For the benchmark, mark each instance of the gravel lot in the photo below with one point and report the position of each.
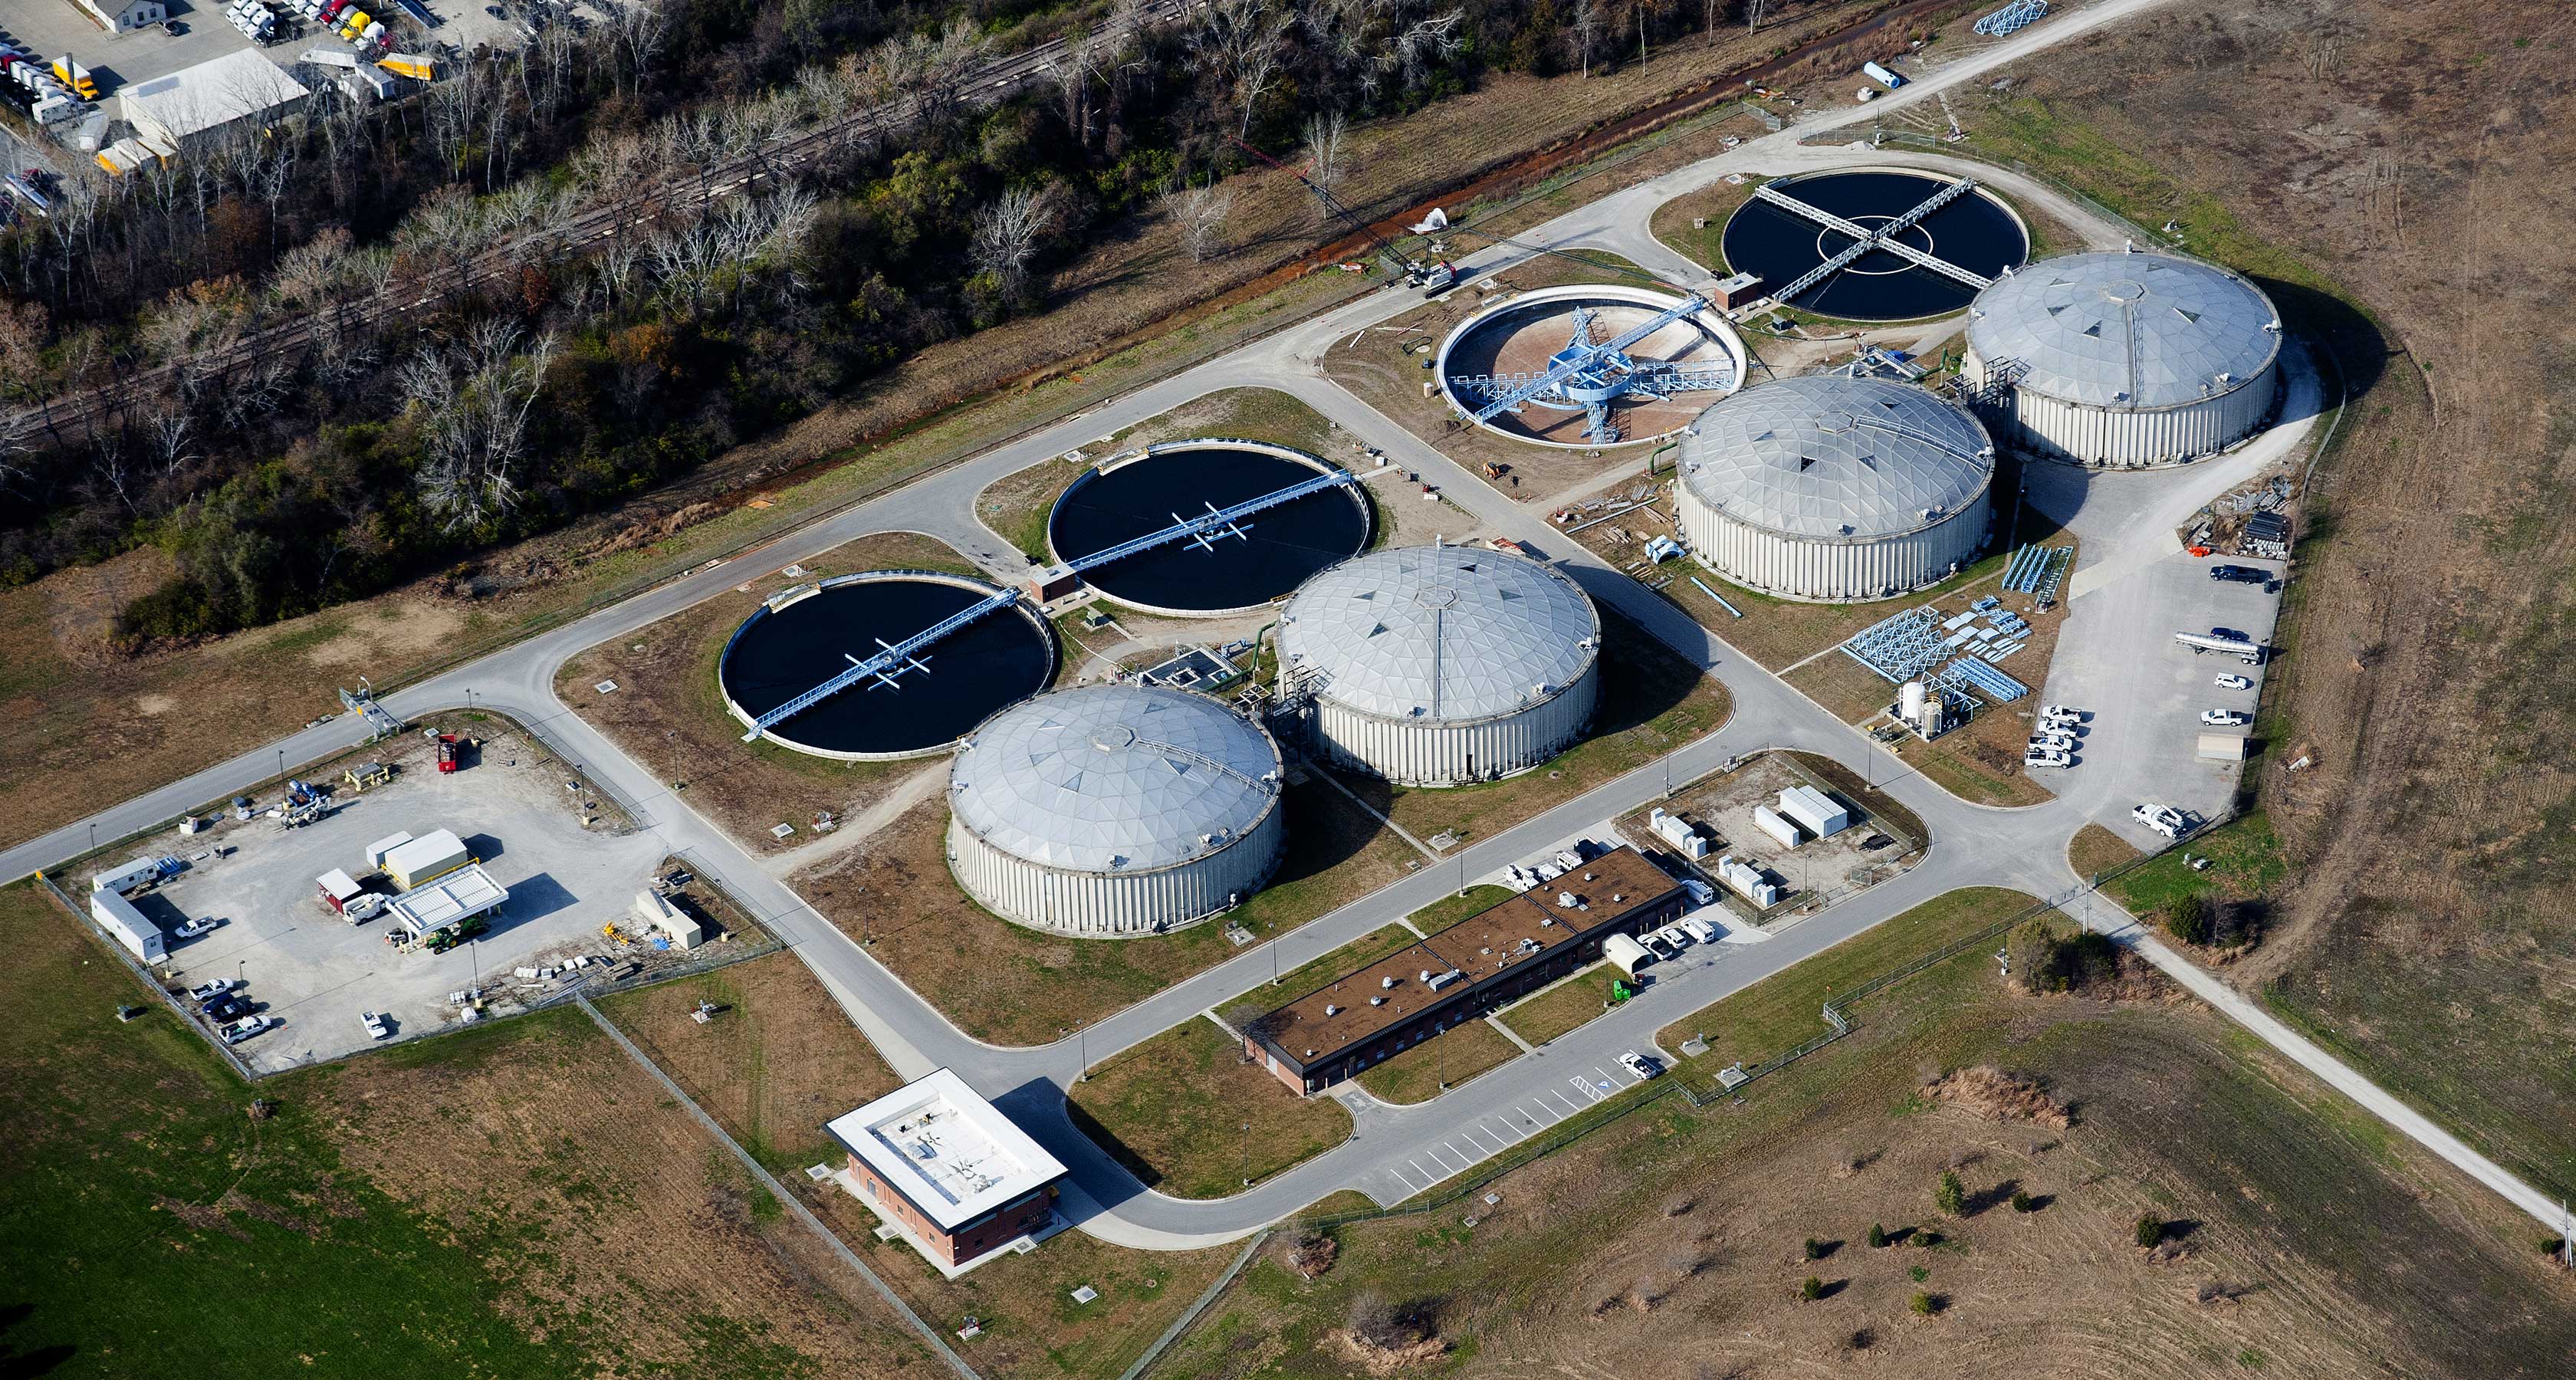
(302, 963)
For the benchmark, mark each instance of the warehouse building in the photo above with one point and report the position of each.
(948, 1171)
(1830, 488)
(1114, 809)
(1438, 665)
(201, 105)
(415, 862)
(2126, 359)
(1463, 972)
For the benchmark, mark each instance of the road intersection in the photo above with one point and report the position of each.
(2134, 588)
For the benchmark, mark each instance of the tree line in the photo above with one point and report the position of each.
(586, 373)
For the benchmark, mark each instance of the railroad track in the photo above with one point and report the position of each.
(587, 230)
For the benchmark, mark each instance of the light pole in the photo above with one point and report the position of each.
(281, 764)
(1247, 1154)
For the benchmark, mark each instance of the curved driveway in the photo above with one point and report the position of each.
(2123, 603)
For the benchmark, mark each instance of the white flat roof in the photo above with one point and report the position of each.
(238, 84)
(112, 909)
(1810, 807)
(423, 851)
(940, 1144)
(338, 885)
(465, 892)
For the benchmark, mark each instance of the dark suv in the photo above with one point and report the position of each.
(226, 1008)
(2241, 575)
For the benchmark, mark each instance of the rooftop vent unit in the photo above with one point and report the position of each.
(1331, 1010)
(1566, 898)
(1386, 982)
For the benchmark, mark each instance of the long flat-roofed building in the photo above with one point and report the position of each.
(1460, 973)
(948, 1170)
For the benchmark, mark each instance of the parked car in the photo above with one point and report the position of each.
(2164, 819)
(245, 1028)
(377, 1029)
(2037, 757)
(2221, 718)
(2240, 575)
(208, 991)
(2234, 683)
(225, 1009)
(203, 924)
(176, 28)
(2237, 634)
(1638, 1064)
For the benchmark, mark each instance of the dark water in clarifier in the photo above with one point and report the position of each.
(1281, 547)
(1971, 232)
(997, 660)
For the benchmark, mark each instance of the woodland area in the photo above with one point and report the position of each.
(589, 368)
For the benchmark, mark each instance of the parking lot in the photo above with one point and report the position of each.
(300, 962)
(56, 27)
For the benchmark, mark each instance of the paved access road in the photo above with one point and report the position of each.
(2133, 590)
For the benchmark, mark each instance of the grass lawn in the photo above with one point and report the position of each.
(1785, 1009)
(2245, 860)
(1460, 1053)
(1175, 1109)
(779, 1059)
(1652, 702)
(1566, 1006)
(1010, 984)
(514, 1200)
(2095, 849)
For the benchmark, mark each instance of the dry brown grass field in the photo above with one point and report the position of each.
(2413, 157)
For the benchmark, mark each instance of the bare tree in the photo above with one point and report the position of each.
(1585, 32)
(1245, 42)
(1328, 161)
(1009, 232)
(1200, 212)
(470, 404)
(637, 30)
(1753, 10)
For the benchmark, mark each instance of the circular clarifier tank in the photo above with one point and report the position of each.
(1975, 231)
(1277, 550)
(1648, 390)
(805, 636)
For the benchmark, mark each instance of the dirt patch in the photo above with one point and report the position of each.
(1999, 1096)
(1377, 1359)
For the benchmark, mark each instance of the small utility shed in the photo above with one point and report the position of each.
(1626, 954)
(121, 920)
(194, 107)
(338, 889)
(381, 848)
(425, 859)
(655, 912)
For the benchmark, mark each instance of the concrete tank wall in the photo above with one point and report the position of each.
(2118, 438)
(1830, 571)
(1414, 752)
(1095, 904)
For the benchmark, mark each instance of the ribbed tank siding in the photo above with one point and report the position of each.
(1829, 571)
(1102, 904)
(1437, 754)
(2115, 438)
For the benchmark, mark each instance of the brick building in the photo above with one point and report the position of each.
(948, 1170)
(1461, 973)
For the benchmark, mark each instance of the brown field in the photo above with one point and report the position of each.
(2424, 934)
(668, 711)
(2095, 849)
(1652, 702)
(1011, 985)
(2296, 1237)
(778, 1060)
(1189, 1116)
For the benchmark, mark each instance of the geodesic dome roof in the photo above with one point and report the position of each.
(1114, 778)
(1440, 634)
(2126, 331)
(1839, 458)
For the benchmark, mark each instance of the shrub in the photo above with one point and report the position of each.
(1922, 1305)
(2186, 918)
(1812, 1290)
(1815, 1249)
(1918, 1274)
(1951, 1196)
(1877, 1236)
(2151, 1229)
(2021, 1201)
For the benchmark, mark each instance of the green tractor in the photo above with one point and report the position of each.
(440, 941)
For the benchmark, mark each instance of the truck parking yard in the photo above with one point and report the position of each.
(291, 958)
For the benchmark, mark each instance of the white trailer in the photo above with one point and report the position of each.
(425, 859)
(1814, 811)
(128, 876)
(1769, 821)
(121, 920)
